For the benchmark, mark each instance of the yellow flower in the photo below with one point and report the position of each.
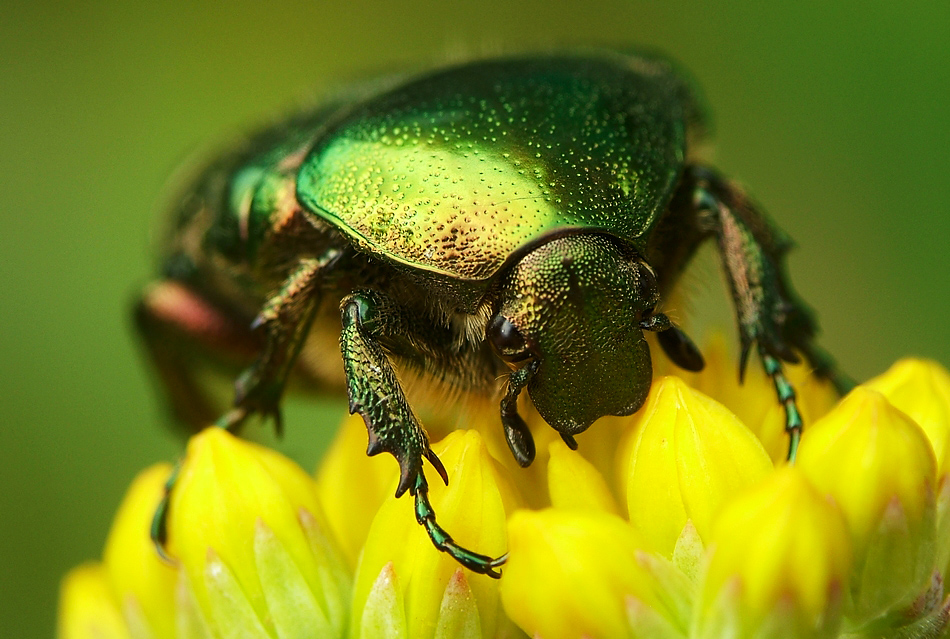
(142, 582)
(87, 608)
(753, 400)
(681, 457)
(575, 483)
(248, 529)
(668, 524)
(400, 570)
(921, 389)
(879, 467)
(572, 574)
(339, 491)
(780, 561)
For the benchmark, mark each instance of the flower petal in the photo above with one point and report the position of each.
(87, 608)
(228, 608)
(571, 574)
(141, 580)
(472, 508)
(573, 482)
(682, 456)
(458, 616)
(348, 477)
(384, 612)
(921, 389)
(294, 610)
(780, 558)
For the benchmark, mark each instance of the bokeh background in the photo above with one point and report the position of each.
(835, 114)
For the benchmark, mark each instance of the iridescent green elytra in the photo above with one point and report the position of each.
(457, 171)
(521, 216)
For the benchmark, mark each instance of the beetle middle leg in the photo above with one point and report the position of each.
(285, 319)
(375, 393)
(769, 312)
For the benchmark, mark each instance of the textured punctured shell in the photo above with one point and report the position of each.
(458, 170)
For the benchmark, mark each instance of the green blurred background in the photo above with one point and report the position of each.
(834, 113)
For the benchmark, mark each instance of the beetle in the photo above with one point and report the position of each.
(521, 216)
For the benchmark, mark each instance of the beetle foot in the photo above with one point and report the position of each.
(476, 562)
(410, 469)
(158, 531)
(252, 397)
(786, 396)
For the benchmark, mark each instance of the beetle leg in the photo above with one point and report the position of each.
(158, 531)
(186, 336)
(786, 395)
(375, 393)
(285, 321)
(517, 433)
(770, 313)
(476, 562)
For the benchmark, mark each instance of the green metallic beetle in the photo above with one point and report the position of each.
(521, 216)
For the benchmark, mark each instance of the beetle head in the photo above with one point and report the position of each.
(578, 305)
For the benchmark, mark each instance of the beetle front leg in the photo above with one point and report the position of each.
(375, 393)
(517, 433)
(769, 312)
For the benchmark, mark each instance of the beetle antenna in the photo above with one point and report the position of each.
(675, 343)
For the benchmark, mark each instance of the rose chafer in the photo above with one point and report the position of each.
(521, 216)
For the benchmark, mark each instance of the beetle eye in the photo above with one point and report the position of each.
(507, 340)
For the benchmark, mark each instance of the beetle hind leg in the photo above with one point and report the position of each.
(375, 393)
(191, 343)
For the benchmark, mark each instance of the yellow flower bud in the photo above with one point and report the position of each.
(575, 573)
(87, 609)
(574, 483)
(753, 400)
(779, 565)
(879, 467)
(682, 456)
(750, 400)
(921, 388)
(351, 487)
(246, 525)
(401, 570)
(143, 583)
